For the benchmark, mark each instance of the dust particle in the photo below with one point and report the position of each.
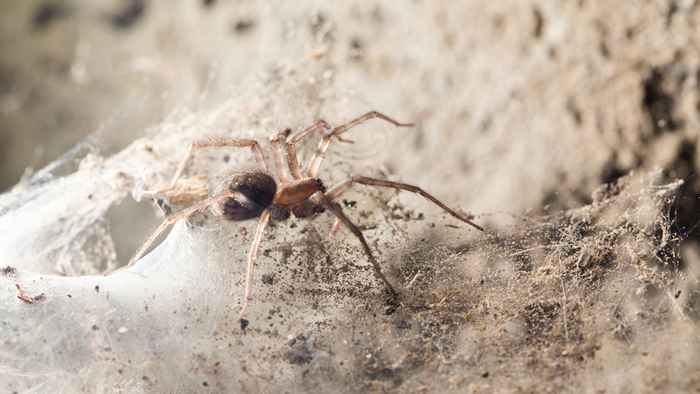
(243, 26)
(129, 15)
(268, 279)
(48, 13)
(8, 271)
(300, 351)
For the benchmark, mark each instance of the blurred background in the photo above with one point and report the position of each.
(549, 97)
(108, 69)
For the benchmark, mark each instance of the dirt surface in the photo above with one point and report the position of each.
(570, 130)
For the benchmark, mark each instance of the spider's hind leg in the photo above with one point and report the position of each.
(170, 220)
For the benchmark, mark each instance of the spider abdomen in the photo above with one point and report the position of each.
(253, 192)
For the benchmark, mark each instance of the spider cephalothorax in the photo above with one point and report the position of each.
(256, 193)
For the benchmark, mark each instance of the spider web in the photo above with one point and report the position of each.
(318, 318)
(128, 330)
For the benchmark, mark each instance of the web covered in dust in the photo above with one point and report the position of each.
(318, 317)
(171, 321)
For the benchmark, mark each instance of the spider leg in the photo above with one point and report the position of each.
(339, 189)
(170, 220)
(217, 143)
(338, 212)
(292, 158)
(276, 140)
(336, 227)
(252, 256)
(315, 161)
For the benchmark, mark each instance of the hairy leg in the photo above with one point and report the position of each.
(315, 161)
(336, 227)
(252, 256)
(339, 189)
(218, 143)
(277, 150)
(292, 158)
(170, 220)
(338, 212)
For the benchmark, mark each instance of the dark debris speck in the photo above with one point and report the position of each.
(243, 26)
(403, 324)
(392, 304)
(268, 279)
(300, 350)
(47, 13)
(131, 13)
(8, 271)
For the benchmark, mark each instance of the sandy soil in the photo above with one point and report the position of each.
(570, 129)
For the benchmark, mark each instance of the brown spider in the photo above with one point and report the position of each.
(255, 193)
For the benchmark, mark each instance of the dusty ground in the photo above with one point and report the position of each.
(525, 110)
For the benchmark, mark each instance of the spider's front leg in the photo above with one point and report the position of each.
(315, 161)
(336, 210)
(292, 158)
(277, 140)
(341, 188)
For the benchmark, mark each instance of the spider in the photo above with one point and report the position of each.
(257, 194)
